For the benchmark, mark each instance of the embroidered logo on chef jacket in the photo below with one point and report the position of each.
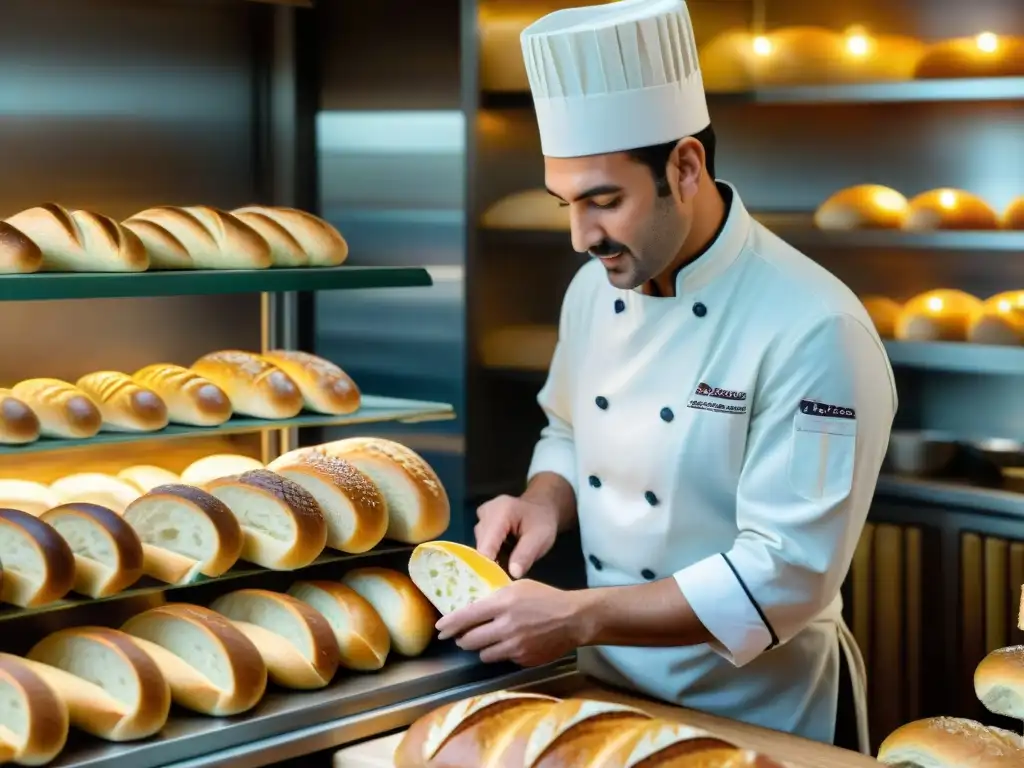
(710, 398)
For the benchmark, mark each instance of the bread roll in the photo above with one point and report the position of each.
(107, 551)
(799, 55)
(18, 254)
(865, 206)
(362, 637)
(64, 411)
(112, 688)
(38, 566)
(530, 209)
(999, 682)
(95, 488)
(353, 507)
(323, 244)
(453, 575)
(949, 209)
(727, 62)
(297, 643)
(283, 527)
(33, 498)
(951, 742)
(190, 398)
(255, 386)
(185, 532)
(941, 315)
(18, 422)
(211, 666)
(407, 614)
(214, 239)
(324, 386)
(983, 56)
(1000, 320)
(124, 404)
(1013, 216)
(33, 719)
(146, 477)
(209, 468)
(884, 313)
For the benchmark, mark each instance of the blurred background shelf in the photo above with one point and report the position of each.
(950, 493)
(957, 357)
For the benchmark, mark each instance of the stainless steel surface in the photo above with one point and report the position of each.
(919, 453)
(957, 357)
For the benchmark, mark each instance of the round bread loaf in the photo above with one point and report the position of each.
(865, 206)
(940, 315)
(453, 575)
(953, 742)
(407, 614)
(999, 682)
(986, 55)
(884, 313)
(38, 565)
(949, 209)
(361, 634)
(1013, 216)
(33, 718)
(999, 321)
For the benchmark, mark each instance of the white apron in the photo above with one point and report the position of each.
(729, 437)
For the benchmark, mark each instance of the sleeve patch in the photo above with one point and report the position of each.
(826, 410)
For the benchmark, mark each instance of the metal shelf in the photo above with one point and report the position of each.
(91, 285)
(374, 409)
(957, 357)
(949, 493)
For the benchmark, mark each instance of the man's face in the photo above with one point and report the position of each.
(617, 215)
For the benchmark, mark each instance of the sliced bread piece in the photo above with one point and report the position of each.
(453, 576)
(38, 565)
(95, 488)
(360, 631)
(407, 614)
(33, 718)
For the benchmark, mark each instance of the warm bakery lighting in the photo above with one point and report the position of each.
(762, 46)
(987, 42)
(889, 200)
(947, 199)
(935, 304)
(857, 41)
(1003, 306)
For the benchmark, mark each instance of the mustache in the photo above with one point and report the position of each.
(607, 248)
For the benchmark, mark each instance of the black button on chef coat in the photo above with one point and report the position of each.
(602, 402)
(594, 481)
(666, 414)
(595, 562)
(620, 306)
(651, 498)
(648, 574)
(699, 309)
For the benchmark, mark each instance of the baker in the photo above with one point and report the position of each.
(718, 407)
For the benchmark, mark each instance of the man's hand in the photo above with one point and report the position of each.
(534, 524)
(526, 622)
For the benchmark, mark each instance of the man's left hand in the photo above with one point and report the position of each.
(526, 622)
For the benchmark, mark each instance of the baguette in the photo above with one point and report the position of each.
(95, 488)
(323, 244)
(38, 565)
(81, 241)
(297, 643)
(18, 254)
(283, 527)
(63, 409)
(353, 507)
(146, 477)
(285, 250)
(951, 742)
(112, 688)
(184, 532)
(362, 637)
(30, 497)
(211, 666)
(190, 398)
(107, 551)
(407, 614)
(453, 576)
(33, 719)
(209, 237)
(18, 422)
(125, 405)
(660, 743)
(209, 468)
(255, 386)
(325, 387)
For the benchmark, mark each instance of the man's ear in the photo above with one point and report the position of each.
(685, 168)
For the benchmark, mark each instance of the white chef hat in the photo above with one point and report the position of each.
(613, 77)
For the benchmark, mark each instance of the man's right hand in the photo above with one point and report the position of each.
(534, 524)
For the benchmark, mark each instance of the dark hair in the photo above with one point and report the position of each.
(656, 158)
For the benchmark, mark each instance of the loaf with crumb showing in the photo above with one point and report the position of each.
(407, 614)
(107, 551)
(64, 411)
(1000, 320)
(256, 387)
(323, 245)
(940, 315)
(125, 405)
(38, 565)
(190, 398)
(362, 636)
(283, 527)
(951, 742)
(185, 532)
(95, 488)
(18, 422)
(199, 237)
(884, 314)
(209, 468)
(353, 507)
(18, 253)
(112, 688)
(297, 643)
(325, 387)
(864, 206)
(211, 666)
(949, 209)
(986, 55)
(33, 718)
(146, 477)
(31, 497)
(999, 682)
(452, 575)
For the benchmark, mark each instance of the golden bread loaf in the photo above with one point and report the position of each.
(452, 575)
(949, 209)
(18, 422)
(953, 742)
(940, 315)
(884, 313)
(256, 387)
(1000, 320)
(205, 470)
(190, 398)
(146, 477)
(986, 55)
(18, 253)
(33, 718)
(38, 565)
(407, 614)
(999, 682)
(535, 209)
(325, 387)
(728, 61)
(64, 411)
(362, 636)
(81, 241)
(865, 206)
(125, 405)
(95, 488)
(286, 228)
(199, 237)
(1013, 216)
(28, 496)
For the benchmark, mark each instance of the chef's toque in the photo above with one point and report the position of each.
(614, 77)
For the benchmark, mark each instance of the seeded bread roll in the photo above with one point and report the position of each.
(255, 386)
(323, 244)
(107, 551)
(38, 565)
(18, 422)
(407, 614)
(453, 575)
(30, 497)
(95, 488)
(190, 398)
(33, 718)
(951, 742)
(64, 411)
(949, 209)
(361, 634)
(282, 525)
(199, 237)
(81, 241)
(209, 468)
(325, 387)
(146, 477)
(18, 254)
(125, 405)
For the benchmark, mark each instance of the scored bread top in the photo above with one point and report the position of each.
(18, 252)
(569, 714)
(78, 408)
(16, 528)
(465, 713)
(43, 714)
(298, 499)
(660, 737)
(250, 365)
(285, 250)
(324, 244)
(170, 380)
(358, 488)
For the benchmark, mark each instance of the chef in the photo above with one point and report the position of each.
(718, 407)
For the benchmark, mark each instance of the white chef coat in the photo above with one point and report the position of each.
(729, 437)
